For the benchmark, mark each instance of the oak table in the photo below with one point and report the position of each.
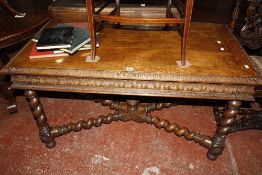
(143, 63)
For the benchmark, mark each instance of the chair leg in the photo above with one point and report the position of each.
(117, 13)
(168, 13)
(189, 7)
(235, 14)
(7, 92)
(91, 25)
(117, 7)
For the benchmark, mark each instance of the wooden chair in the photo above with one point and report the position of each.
(185, 10)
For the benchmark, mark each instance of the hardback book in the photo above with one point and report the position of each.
(81, 37)
(55, 38)
(87, 46)
(45, 53)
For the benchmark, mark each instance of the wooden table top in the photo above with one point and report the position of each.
(215, 55)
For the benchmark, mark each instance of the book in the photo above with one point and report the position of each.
(55, 38)
(46, 53)
(87, 46)
(81, 37)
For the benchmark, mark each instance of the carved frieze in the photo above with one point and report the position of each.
(137, 87)
(133, 75)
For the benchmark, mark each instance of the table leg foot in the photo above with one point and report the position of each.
(40, 118)
(210, 156)
(223, 129)
(51, 144)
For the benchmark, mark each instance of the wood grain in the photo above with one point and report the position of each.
(149, 52)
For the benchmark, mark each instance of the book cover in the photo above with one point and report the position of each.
(56, 38)
(43, 54)
(81, 36)
(87, 46)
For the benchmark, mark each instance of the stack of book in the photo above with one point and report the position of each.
(62, 40)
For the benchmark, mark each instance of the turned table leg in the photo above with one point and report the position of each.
(223, 129)
(40, 117)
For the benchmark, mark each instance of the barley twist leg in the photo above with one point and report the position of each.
(41, 120)
(223, 129)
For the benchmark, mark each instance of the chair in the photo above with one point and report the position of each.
(185, 11)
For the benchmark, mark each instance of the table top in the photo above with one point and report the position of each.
(134, 62)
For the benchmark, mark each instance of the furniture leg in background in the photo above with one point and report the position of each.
(5, 88)
(235, 14)
(251, 35)
(7, 92)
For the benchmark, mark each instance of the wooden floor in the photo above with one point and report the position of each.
(119, 148)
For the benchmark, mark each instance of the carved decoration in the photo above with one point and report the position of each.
(122, 75)
(251, 33)
(251, 122)
(135, 87)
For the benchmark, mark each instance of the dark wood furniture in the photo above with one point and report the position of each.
(13, 32)
(7, 92)
(220, 71)
(11, 9)
(251, 37)
(183, 19)
(249, 117)
(218, 11)
(251, 33)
